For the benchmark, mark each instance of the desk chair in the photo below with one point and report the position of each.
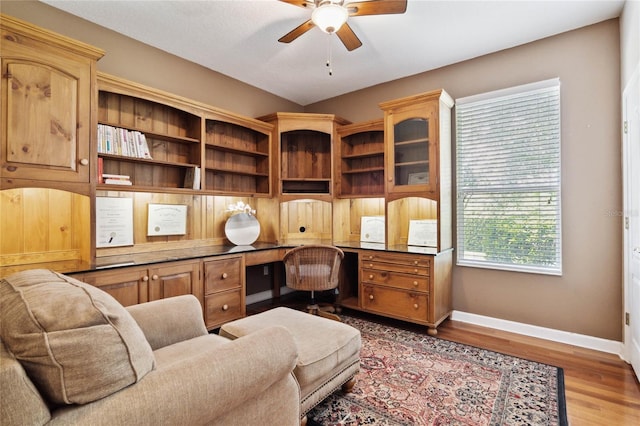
(313, 268)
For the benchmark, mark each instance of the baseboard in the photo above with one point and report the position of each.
(581, 340)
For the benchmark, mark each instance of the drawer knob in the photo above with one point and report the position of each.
(371, 297)
(415, 283)
(224, 276)
(371, 265)
(415, 270)
(225, 307)
(370, 257)
(370, 276)
(415, 306)
(154, 277)
(84, 162)
(145, 278)
(415, 262)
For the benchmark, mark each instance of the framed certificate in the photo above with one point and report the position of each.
(167, 219)
(372, 229)
(114, 222)
(423, 232)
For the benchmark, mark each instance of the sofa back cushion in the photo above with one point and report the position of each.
(76, 342)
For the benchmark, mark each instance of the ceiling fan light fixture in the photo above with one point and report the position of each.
(329, 17)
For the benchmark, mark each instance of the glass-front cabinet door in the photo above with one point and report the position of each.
(411, 149)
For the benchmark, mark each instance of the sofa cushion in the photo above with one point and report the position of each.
(76, 342)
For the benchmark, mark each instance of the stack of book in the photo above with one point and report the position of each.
(116, 179)
(119, 141)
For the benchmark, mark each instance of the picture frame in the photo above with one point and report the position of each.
(166, 219)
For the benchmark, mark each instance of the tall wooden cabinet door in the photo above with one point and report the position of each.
(129, 286)
(47, 100)
(175, 279)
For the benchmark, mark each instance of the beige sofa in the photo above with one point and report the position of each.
(157, 363)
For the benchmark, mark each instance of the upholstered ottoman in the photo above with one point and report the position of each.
(328, 351)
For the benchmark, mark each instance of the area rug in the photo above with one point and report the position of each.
(410, 378)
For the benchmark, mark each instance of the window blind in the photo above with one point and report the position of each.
(508, 179)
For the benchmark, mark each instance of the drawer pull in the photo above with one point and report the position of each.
(154, 277)
(370, 276)
(370, 257)
(415, 262)
(224, 275)
(145, 278)
(371, 297)
(415, 283)
(415, 270)
(84, 162)
(225, 307)
(415, 306)
(371, 265)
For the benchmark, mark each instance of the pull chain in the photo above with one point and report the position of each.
(329, 59)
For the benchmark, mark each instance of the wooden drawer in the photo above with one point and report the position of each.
(402, 304)
(396, 280)
(223, 307)
(420, 261)
(392, 267)
(223, 274)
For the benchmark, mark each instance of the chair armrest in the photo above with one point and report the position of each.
(207, 385)
(171, 320)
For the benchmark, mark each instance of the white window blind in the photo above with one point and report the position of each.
(508, 179)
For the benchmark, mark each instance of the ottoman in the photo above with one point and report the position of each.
(328, 350)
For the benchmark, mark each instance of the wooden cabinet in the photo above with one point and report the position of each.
(304, 154)
(139, 284)
(47, 96)
(224, 298)
(360, 160)
(406, 286)
(418, 143)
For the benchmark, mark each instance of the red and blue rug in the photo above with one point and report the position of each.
(409, 378)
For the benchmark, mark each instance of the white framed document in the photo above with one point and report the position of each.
(114, 222)
(418, 178)
(167, 219)
(372, 229)
(423, 232)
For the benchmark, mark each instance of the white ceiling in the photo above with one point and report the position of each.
(238, 38)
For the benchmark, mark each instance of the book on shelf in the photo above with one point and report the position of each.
(114, 179)
(117, 182)
(100, 170)
(192, 178)
(120, 141)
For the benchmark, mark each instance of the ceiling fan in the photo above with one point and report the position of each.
(331, 17)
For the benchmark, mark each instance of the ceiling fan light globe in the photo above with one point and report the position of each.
(329, 17)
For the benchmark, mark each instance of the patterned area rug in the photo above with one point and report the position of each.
(408, 378)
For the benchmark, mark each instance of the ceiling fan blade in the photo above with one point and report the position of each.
(297, 32)
(378, 7)
(348, 37)
(299, 3)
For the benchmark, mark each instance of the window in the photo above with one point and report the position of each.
(508, 179)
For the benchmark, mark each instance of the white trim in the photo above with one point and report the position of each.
(581, 340)
(528, 87)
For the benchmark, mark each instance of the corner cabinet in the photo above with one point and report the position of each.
(417, 145)
(47, 103)
(304, 153)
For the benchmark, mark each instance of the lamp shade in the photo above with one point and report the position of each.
(329, 17)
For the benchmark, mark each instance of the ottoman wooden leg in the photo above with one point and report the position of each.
(348, 387)
(303, 421)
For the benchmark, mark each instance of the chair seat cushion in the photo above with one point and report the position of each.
(75, 341)
(323, 345)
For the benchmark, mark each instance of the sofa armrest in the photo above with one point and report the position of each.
(171, 320)
(245, 381)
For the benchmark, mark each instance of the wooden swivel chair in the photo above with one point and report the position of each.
(313, 268)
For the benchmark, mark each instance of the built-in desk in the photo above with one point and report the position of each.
(407, 283)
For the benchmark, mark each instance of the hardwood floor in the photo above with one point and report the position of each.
(600, 388)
